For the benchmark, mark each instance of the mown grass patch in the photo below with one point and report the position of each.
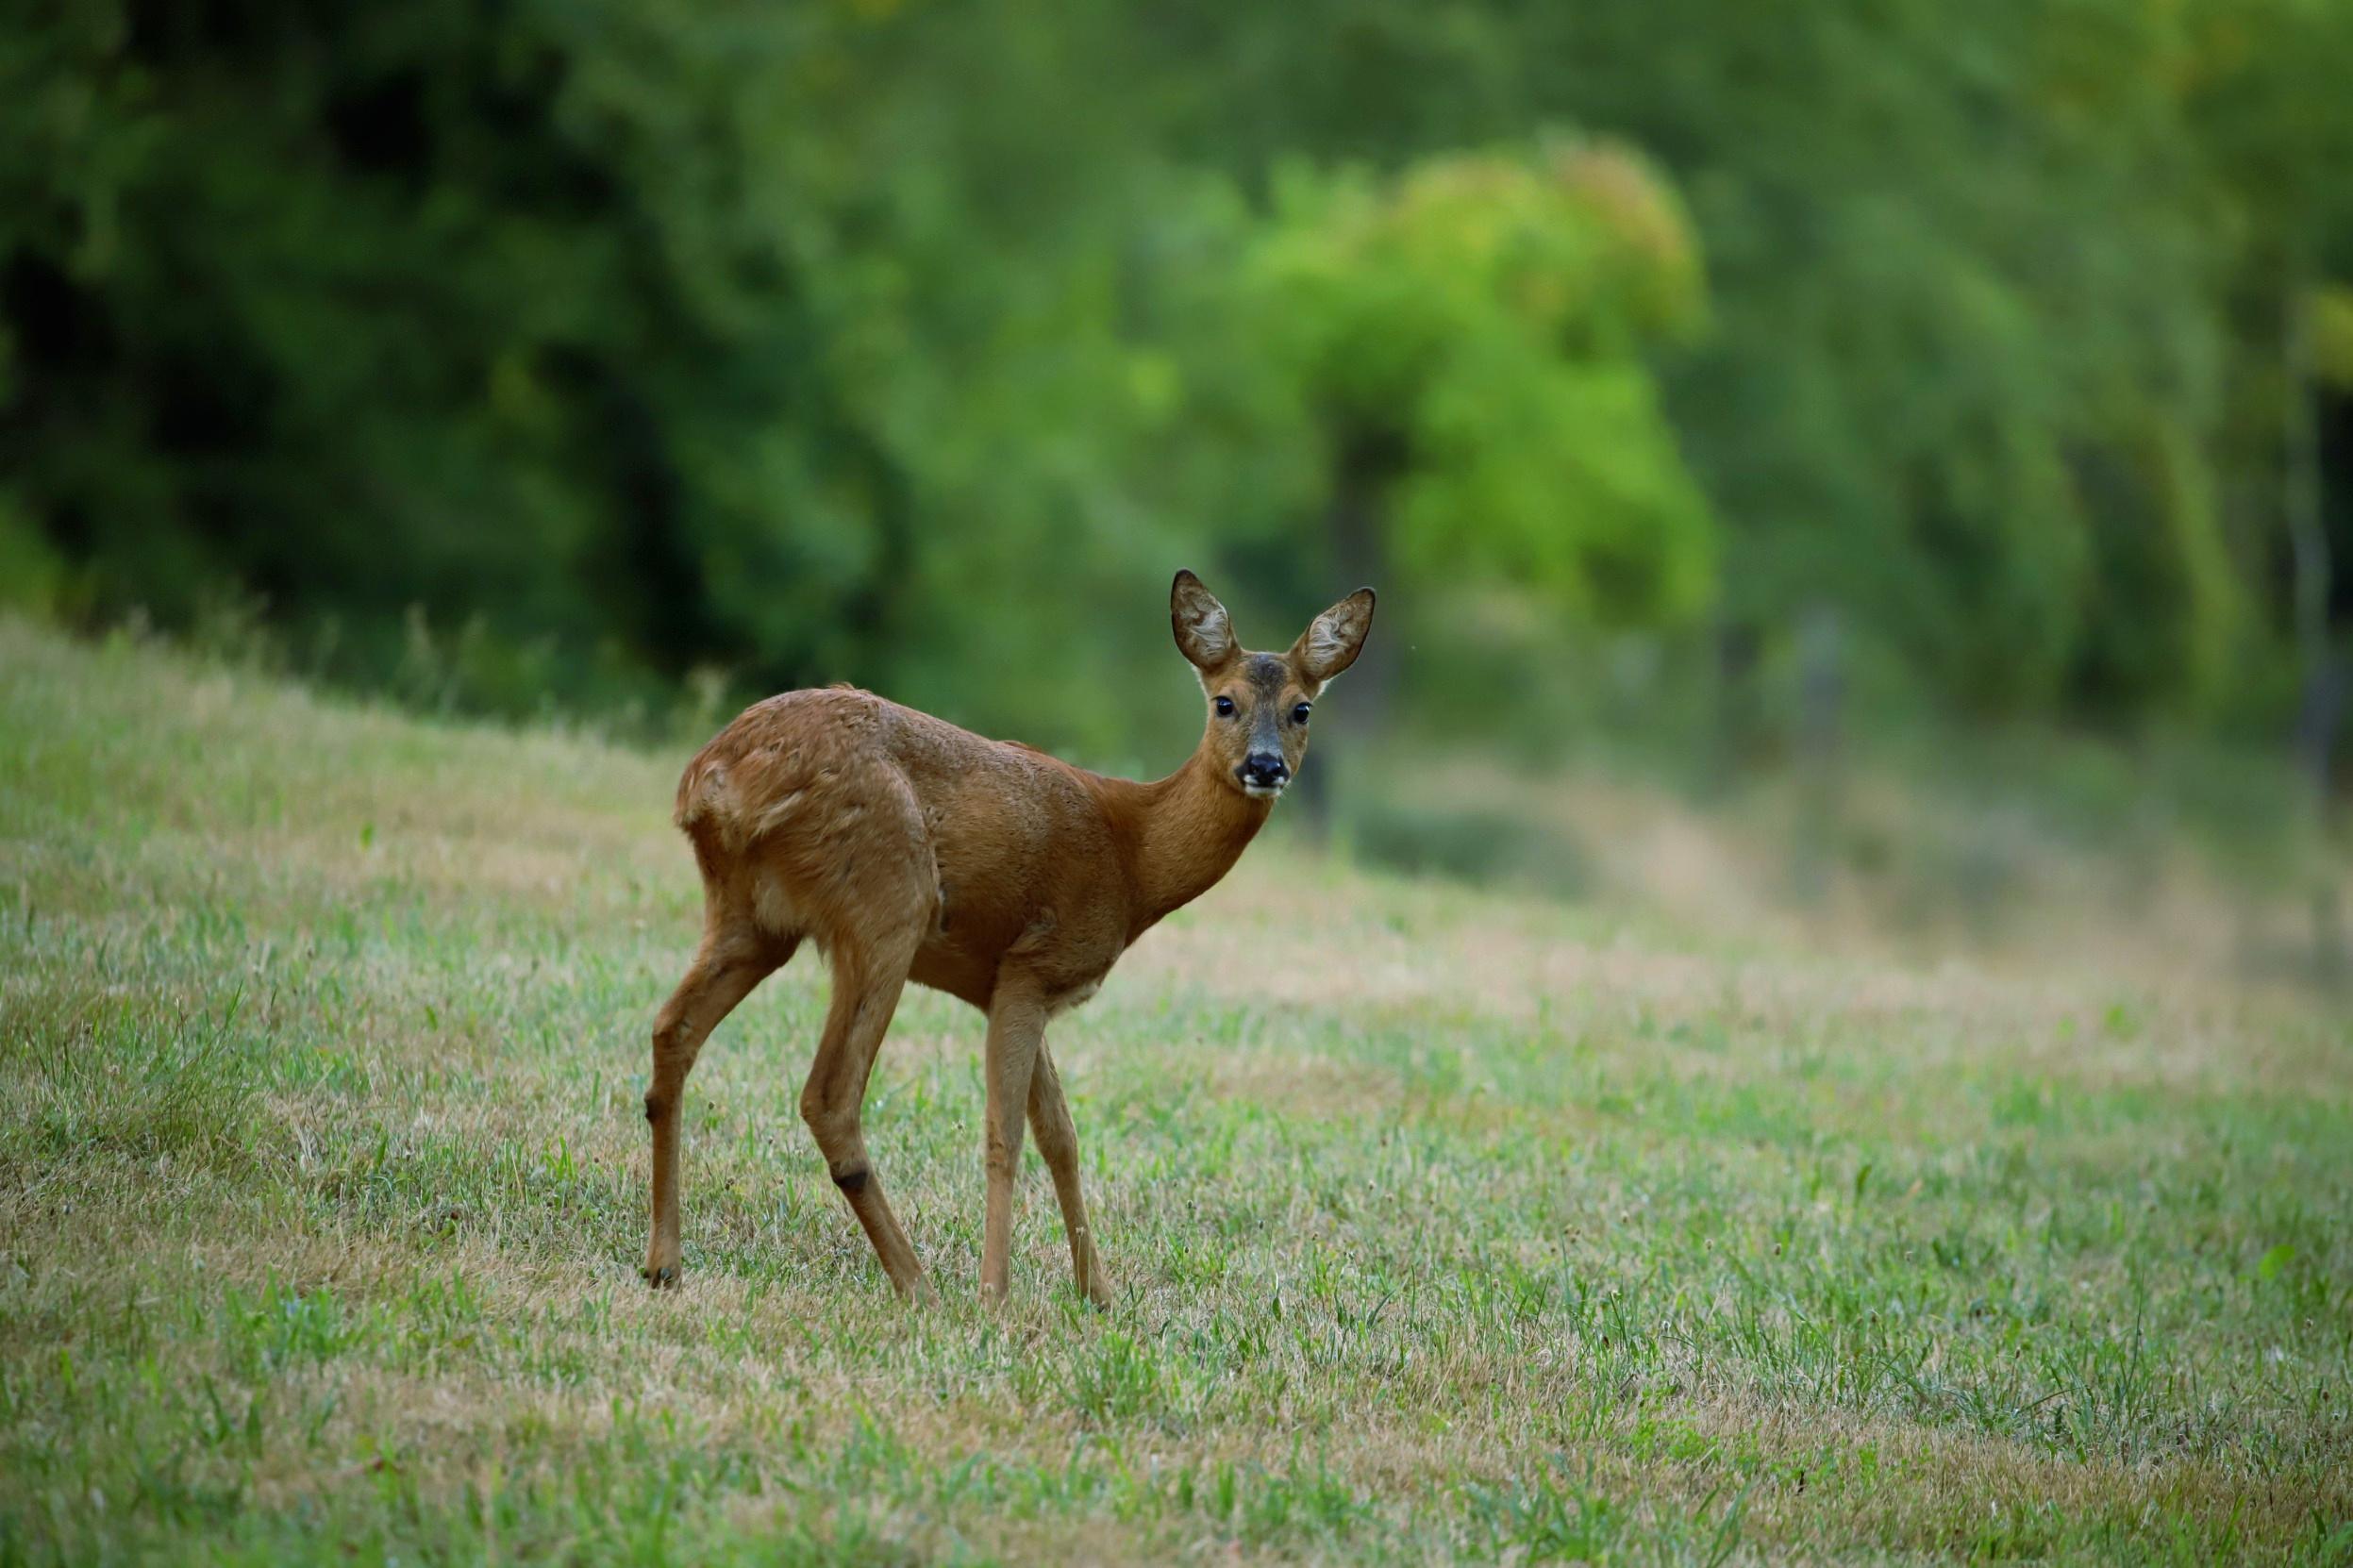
(1474, 1227)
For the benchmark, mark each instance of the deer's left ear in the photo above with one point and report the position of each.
(1333, 639)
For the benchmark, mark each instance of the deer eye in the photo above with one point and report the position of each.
(1299, 714)
(1225, 707)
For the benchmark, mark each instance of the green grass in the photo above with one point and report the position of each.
(1443, 1225)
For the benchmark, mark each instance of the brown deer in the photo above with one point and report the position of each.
(907, 848)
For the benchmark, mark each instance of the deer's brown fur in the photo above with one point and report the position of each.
(907, 848)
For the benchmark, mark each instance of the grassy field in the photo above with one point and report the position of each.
(1443, 1225)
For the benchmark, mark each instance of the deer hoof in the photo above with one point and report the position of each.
(663, 1279)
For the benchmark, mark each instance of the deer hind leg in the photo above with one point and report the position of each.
(1058, 1140)
(725, 968)
(866, 986)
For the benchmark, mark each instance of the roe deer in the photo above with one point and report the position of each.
(907, 848)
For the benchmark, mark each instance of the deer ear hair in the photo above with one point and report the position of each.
(1333, 639)
(1205, 633)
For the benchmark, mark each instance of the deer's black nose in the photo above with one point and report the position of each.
(1265, 769)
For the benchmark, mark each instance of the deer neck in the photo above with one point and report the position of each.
(1191, 827)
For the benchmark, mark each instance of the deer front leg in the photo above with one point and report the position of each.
(1057, 1140)
(1016, 1026)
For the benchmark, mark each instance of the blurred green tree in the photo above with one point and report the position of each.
(830, 342)
(1469, 343)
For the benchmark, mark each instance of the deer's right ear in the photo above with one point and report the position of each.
(1205, 633)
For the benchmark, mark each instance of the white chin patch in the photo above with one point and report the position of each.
(1263, 792)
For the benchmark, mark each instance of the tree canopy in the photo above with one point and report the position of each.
(838, 341)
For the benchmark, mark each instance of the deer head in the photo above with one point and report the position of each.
(1260, 703)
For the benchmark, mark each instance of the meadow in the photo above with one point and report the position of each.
(1444, 1225)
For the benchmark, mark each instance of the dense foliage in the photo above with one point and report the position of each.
(549, 352)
